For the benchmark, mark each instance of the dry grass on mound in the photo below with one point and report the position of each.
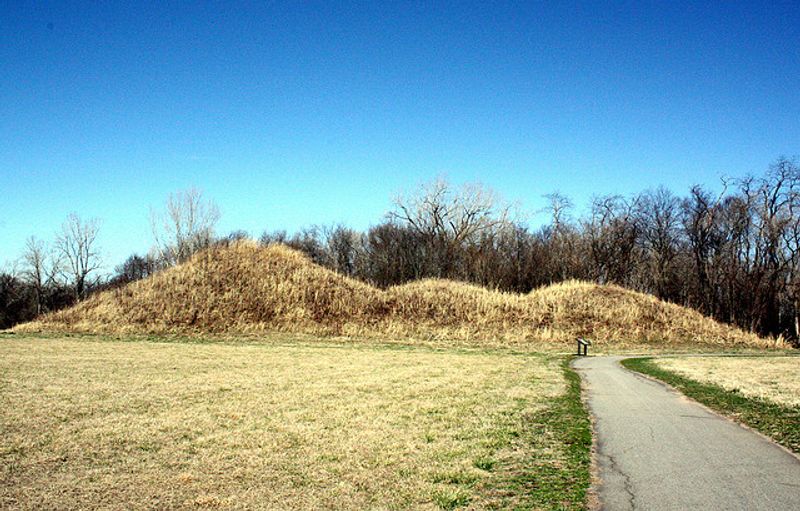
(240, 288)
(612, 313)
(245, 288)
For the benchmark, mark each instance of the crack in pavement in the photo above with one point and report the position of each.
(652, 434)
(711, 418)
(626, 480)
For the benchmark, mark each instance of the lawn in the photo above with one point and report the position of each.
(97, 423)
(774, 379)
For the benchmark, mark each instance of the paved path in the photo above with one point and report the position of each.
(658, 450)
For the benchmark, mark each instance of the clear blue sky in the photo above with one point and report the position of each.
(294, 113)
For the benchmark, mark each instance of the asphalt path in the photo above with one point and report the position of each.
(658, 450)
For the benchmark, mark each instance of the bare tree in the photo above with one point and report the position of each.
(791, 235)
(134, 268)
(344, 248)
(395, 254)
(457, 214)
(558, 206)
(448, 218)
(612, 231)
(660, 220)
(41, 267)
(76, 245)
(184, 227)
(703, 219)
(562, 240)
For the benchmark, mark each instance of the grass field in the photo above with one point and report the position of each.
(93, 423)
(758, 391)
(771, 378)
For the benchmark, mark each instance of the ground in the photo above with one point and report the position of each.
(98, 423)
(657, 450)
(775, 379)
(757, 391)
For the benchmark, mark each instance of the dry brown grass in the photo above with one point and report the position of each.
(124, 425)
(249, 289)
(239, 289)
(775, 379)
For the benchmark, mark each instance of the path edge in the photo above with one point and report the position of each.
(674, 390)
(593, 502)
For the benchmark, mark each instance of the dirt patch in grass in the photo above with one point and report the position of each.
(134, 425)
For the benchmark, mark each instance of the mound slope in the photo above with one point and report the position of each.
(240, 288)
(244, 288)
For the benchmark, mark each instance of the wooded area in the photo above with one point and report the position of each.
(732, 255)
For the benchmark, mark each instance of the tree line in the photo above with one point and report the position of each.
(51, 276)
(733, 255)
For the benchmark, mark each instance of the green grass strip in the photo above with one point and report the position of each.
(780, 422)
(561, 485)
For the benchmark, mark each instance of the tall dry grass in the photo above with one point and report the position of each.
(245, 288)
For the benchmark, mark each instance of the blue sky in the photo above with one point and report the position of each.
(291, 113)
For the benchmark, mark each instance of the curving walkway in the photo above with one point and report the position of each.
(658, 450)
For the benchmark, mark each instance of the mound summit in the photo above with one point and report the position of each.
(245, 288)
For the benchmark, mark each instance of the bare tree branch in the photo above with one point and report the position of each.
(184, 227)
(76, 243)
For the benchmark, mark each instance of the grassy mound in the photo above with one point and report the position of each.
(607, 312)
(245, 288)
(241, 288)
